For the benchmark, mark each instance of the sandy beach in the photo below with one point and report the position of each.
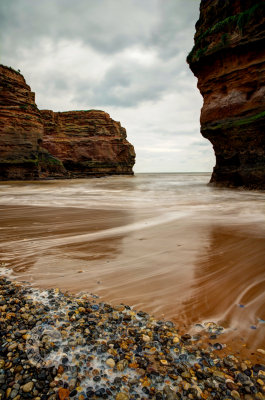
(151, 242)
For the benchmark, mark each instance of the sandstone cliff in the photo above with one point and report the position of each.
(87, 142)
(228, 58)
(21, 131)
(38, 144)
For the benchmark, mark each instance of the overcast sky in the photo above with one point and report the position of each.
(126, 57)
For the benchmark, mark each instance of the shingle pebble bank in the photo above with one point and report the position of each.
(57, 346)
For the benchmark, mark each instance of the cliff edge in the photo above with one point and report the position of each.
(39, 144)
(89, 143)
(228, 58)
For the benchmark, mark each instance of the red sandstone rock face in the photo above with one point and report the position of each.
(229, 60)
(88, 142)
(21, 130)
(38, 144)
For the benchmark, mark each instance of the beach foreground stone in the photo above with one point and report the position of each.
(70, 340)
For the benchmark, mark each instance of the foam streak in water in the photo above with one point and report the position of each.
(166, 243)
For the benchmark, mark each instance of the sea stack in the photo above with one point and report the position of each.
(41, 144)
(228, 58)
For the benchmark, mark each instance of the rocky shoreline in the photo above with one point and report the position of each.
(56, 346)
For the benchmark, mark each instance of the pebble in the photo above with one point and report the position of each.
(235, 394)
(175, 339)
(146, 338)
(186, 385)
(121, 365)
(169, 393)
(243, 366)
(231, 385)
(12, 347)
(13, 393)
(122, 396)
(219, 374)
(186, 337)
(217, 346)
(28, 387)
(109, 352)
(110, 363)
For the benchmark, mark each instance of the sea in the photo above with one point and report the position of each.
(168, 244)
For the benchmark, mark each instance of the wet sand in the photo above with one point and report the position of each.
(177, 263)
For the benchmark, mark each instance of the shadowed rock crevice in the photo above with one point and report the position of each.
(37, 144)
(228, 59)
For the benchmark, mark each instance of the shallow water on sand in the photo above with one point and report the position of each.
(164, 243)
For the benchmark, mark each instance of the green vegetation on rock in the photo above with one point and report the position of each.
(49, 159)
(224, 38)
(33, 161)
(40, 158)
(238, 122)
(11, 69)
(228, 24)
(249, 120)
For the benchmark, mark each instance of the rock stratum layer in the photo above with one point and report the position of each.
(39, 144)
(87, 142)
(228, 58)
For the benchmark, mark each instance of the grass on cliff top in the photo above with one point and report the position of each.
(239, 20)
(73, 111)
(11, 69)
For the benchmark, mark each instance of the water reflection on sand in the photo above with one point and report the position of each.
(167, 244)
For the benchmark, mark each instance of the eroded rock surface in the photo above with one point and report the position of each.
(88, 142)
(38, 144)
(21, 132)
(228, 59)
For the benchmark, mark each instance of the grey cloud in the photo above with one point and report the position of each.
(162, 93)
(126, 85)
(174, 32)
(58, 84)
(129, 83)
(203, 143)
(105, 25)
(109, 27)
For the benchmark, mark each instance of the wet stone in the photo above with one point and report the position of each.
(169, 393)
(122, 396)
(235, 394)
(217, 346)
(258, 367)
(112, 352)
(28, 387)
(13, 393)
(231, 386)
(110, 362)
(186, 337)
